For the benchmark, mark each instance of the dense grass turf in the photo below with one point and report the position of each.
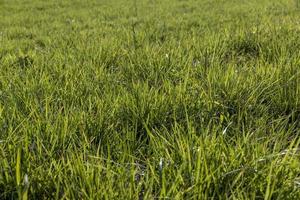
(149, 99)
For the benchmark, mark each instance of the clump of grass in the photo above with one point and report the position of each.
(24, 61)
(243, 48)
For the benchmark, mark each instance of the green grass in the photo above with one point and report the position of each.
(149, 99)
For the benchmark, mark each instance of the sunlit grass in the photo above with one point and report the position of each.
(149, 99)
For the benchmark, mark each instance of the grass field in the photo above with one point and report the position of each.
(150, 99)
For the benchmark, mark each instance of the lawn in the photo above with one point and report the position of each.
(150, 99)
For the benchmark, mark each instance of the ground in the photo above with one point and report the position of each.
(147, 99)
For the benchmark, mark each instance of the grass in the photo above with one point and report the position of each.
(149, 99)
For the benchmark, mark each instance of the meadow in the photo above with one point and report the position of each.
(150, 99)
